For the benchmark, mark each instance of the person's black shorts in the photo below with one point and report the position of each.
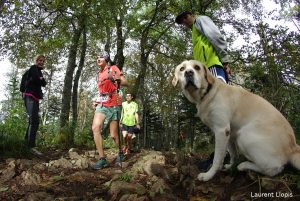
(129, 129)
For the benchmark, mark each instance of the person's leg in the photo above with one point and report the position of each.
(124, 133)
(129, 143)
(114, 131)
(32, 109)
(27, 109)
(97, 126)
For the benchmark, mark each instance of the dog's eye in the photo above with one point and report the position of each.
(182, 68)
(197, 68)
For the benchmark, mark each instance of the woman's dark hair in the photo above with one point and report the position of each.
(132, 95)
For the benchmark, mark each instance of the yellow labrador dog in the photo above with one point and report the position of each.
(238, 117)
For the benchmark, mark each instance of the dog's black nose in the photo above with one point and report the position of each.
(189, 73)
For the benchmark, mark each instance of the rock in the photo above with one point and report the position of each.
(40, 167)
(133, 197)
(160, 186)
(155, 156)
(82, 163)
(91, 154)
(159, 170)
(24, 164)
(189, 170)
(30, 178)
(129, 197)
(73, 150)
(62, 162)
(40, 196)
(8, 173)
(125, 164)
(74, 155)
(118, 187)
(150, 164)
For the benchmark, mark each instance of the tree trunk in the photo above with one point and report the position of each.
(119, 58)
(75, 85)
(46, 105)
(67, 89)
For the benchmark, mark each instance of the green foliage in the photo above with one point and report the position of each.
(126, 177)
(65, 136)
(14, 123)
(85, 138)
(277, 51)
(109, 143)
(57, 178)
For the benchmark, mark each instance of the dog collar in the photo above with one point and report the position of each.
(207, 91)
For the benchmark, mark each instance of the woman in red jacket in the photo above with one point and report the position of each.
(108, 105)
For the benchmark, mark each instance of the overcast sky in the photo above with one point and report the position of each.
(5, 68)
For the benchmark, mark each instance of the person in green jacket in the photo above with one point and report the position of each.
(209, 46)
(130, 121)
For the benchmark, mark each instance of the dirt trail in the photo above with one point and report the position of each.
(147, 175)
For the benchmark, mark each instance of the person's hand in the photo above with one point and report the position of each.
(138, 126)
(94, 105)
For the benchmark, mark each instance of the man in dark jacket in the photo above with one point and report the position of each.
(33, 93)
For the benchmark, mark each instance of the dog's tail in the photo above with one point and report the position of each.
(295, 157)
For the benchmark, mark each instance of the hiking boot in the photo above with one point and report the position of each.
(120, 157)
(35, 152)
(102, 163)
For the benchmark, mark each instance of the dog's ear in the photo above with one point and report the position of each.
(175, 79)
(208, 76)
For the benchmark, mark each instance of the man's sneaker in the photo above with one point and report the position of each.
(34, 151)
(120, 157)
(102, 163)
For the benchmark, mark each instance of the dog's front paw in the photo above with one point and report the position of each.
(204, 176)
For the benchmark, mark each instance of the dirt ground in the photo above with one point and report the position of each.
(65, 175)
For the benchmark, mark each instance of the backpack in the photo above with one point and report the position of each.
(24, 81)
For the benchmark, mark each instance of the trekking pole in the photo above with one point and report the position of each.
(118, 121)
(119, 134)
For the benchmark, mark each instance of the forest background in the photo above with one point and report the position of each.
(145, 43)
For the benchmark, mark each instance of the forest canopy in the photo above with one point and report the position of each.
(144, 41)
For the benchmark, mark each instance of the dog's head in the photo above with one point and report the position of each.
(192, 76)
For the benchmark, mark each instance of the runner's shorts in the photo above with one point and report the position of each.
(129, 129)
(111, 113)
(219, 72)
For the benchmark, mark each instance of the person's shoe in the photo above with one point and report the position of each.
(127, 152)
(102, 163)
(124, 149)
(34, 151)
(120, 157)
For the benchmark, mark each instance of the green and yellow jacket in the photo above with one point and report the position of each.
(209, 46)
